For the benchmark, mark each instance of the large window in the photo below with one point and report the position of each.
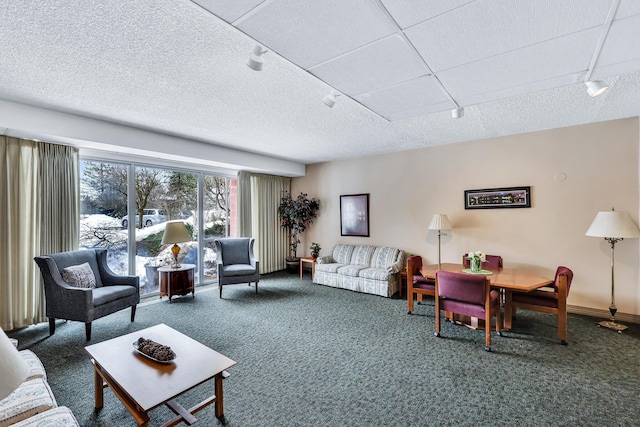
(125, 208)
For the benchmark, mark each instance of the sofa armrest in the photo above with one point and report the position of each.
(327, 259)
(109, 278)
(398, 265)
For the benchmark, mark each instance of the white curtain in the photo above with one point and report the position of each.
(272, 243)
(39, 193)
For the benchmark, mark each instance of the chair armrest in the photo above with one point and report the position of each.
(109, 278)
(57, 290)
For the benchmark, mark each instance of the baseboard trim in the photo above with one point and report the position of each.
(604, 314)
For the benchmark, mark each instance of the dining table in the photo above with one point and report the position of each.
(508, 279)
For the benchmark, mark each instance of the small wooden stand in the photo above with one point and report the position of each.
(177, 281)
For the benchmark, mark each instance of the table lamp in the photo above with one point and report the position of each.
(175, 232)
(439, 222)
(13, 367)
(613, 226)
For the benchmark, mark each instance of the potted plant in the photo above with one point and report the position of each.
(315, 249)
(295, 216)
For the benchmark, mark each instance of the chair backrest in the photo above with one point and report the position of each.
(63, 260)
(493, 261)
(467, 288)
(414, 263)
(563, 271)
(234, 250)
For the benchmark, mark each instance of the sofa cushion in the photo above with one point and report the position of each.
(374, 273)
(329, 268)
(342, 254)
(80, 276)
(56, 417)
(35, 368)
(351, 270)
(30, 398)
(384, 257)
(106, 294)
(362, 255)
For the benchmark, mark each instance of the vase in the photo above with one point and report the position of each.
(475, 265)
(314, 254)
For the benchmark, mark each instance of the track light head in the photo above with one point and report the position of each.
(330, 99)
(595, 88)
(255, 61)
(456, 113)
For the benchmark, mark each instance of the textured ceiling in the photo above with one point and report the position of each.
(179, 67)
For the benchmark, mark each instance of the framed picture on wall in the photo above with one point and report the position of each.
(494, 198)
(354, 215)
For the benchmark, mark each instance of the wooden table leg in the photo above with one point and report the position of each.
(99, 386)
(508, 310)
(219, 404)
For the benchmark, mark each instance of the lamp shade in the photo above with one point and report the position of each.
(13, 367)
(175, 232)
(440, 222)
(616, 224)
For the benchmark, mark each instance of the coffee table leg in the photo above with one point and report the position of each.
(219, 403)
(99, 386)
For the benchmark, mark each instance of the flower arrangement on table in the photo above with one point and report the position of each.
(475, 260)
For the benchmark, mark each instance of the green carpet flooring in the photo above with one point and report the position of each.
(311, 355)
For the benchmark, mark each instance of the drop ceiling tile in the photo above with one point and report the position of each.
(423, 92)
(487, 28)
(543, 61)
(308, 32)
(621, 44)
(228, 10)
(384, 63)
(628, 8)
(410, 12)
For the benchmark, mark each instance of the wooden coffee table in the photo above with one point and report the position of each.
(142, 384)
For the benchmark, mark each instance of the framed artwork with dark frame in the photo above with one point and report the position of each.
(498, 198)
(354, 215)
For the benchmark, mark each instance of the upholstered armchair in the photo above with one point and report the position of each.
(236, 262)
(80, 286)
(417, 284)
(469, 295)
(547, 300)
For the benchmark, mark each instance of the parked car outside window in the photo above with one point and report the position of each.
(149, 217)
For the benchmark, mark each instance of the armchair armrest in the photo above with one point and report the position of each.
(57, 290)
(109, 278)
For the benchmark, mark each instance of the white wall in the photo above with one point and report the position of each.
(600, 162)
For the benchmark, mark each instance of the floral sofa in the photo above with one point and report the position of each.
(361, 268)
(32, 404)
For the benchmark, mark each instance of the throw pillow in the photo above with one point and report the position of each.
(80, 276)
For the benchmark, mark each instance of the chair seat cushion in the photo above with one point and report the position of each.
(56, 417)
(30, 398)
(238, 270)
(543, 298)
(107, 294)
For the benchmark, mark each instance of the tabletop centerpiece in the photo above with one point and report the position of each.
(475, 260)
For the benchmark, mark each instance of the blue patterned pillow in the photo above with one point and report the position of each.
(80, 276)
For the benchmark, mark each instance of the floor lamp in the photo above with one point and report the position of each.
(613, 226)
(440, 222)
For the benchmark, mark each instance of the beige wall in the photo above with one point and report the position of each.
(600, 162)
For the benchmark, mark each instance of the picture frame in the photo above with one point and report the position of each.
(498, 198)
(354, 215)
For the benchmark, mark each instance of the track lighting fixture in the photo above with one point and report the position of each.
(595, 88)
(456, 113)
(255, 61)
(330, 99)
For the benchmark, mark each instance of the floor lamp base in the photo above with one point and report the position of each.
(611, 324)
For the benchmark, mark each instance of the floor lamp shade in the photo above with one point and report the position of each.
(175, 232)
(13, 367)
(613, 226)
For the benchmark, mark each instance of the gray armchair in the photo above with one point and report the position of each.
(111, 292)
(236, 262)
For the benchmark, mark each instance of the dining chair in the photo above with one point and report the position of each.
(469, 295)
(493, 261)
(547, 300)
(417, 284)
